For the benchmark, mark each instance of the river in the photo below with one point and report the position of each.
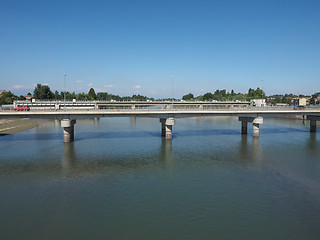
(120, 180)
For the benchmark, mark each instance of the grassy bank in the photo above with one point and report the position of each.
(10, 126)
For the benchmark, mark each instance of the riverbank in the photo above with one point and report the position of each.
(10, 126)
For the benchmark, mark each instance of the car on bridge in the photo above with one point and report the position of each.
(22, 108)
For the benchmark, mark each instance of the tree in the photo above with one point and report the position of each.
(188, 97)
(7, 98)
(42, 92)
(56, 95)
(208, 97)
(21, 97)
(92, 94)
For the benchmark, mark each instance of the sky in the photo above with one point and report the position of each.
(160, 48)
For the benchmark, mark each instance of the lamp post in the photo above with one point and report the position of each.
(262, 88)
(172, 90)
(64, 95)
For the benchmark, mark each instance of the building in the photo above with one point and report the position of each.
(258, 102)
(302, 102)
(28, 97)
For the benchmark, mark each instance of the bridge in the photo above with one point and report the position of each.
(91, 105)
(167, 117)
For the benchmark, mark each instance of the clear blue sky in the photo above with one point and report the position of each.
(130, 47)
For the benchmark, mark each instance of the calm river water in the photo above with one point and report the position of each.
(120, 180)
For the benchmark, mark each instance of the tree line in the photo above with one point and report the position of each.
(43, 92)
(223, 95)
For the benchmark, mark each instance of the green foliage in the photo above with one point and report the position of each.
(313, 100)
(188, 97)
(221, 95)
(7, 98)
(43, 92)
(208, 97)
(255, 94)
(92, 94)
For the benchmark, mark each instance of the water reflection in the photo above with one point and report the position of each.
(133, 122)
(312, 143)
(96, 121)
(69, 157)
(166, 155)
(256, 153)
(243, 148)
(247, 152)
(57, 123)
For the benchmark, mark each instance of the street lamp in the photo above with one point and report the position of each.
(172, 90)
(64, 95)
(262, 88)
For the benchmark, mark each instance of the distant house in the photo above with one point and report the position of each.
(28, 97)
(270, 99)
(302, 102)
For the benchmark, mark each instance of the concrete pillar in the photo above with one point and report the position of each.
(313, 125)
(256, 121)
(163, 127)
(255, 126)
(255, 129)
(244, 124)
(166, 127)
(68, 130)
(168, 132)
(313, 122)
(133, 107)
(244, 127)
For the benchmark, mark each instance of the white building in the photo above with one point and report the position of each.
(258, 102)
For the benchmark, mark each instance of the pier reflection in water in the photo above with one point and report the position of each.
(121, 180)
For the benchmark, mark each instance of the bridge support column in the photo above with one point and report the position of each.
(255, 126)
(313, 122)
(256, 121)
(166, 127)
(244, 127)
(68, 130)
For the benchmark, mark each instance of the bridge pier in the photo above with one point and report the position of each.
(166, 127)
(68, 130)
(244, 127)
(256, 121)
(313, 122)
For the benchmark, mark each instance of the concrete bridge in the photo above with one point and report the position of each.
(167, 118)
(96, 105)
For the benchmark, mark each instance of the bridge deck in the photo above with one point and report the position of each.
(74, 114)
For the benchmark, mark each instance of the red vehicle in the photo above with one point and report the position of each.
(22, 108)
